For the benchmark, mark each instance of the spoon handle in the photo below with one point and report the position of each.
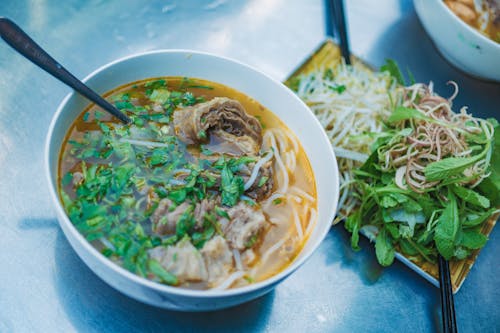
(22, 43)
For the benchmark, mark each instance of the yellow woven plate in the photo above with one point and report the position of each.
(327, 56)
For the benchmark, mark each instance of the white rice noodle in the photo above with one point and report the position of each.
(274, 196)
(284, 172)
(286, 136)
(305, 209)
(302, 193)
(144, 143)
(279, 218)
(273, 249)
(237, 260)
(292, 161)
(298, 225)
(229, 281)
(296, 198)
(312, 221)
(256, 169)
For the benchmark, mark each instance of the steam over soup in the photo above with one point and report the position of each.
(204, 189)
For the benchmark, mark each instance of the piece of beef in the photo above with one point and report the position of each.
(164, 220)
(255, 191)
(245, 222)
(202, 208)
(183, 260)
(218, 259)
(223, 118)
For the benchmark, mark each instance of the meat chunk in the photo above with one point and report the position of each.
(255, 191)
(246, 222)
(223, 118)
(218, 259)
(202, 208)
(183, 260)
(166, 216)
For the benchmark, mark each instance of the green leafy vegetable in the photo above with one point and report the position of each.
(392, 67)
(384, 249)
(232, 187)
(166, 277)
(447, 228)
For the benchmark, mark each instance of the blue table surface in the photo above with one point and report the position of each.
(45, 287)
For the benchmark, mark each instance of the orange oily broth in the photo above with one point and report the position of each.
(302, 178)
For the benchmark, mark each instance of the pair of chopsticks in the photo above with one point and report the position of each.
(336, 26)
(446, 291)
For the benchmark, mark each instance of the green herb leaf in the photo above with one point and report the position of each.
(471, 196)
(384, 249)
(402, 113)
(447, 167)
(277, 201)
(160, 96)
(447, 228)
(473, 240)
(156, 268)
(232, 187)
(392, 67)
(221, 212)
(490, 187)
(262, 181)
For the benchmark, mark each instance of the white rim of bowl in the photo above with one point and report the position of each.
(155, 285)
(468, 27)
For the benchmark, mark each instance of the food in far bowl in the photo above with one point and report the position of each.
(205, 189)
(483, 16)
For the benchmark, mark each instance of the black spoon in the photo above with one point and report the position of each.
(22, 43)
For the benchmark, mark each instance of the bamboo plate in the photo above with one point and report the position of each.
(328, 55)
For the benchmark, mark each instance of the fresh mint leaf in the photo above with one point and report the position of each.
(384, 249)
(471, 196)
(473, 240)
(401, 113)
(490, 187)
(448, 167)
(447, 228)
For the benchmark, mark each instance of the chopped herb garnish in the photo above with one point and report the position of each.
(277, 201)
(166, 277)
(262, 181)
(232, 187)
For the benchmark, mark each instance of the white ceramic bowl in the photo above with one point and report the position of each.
(460, 44)
(272, 94)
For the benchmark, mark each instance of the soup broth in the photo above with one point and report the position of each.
(205, 189)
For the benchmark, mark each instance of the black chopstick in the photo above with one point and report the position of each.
(447, 303)
(338, 16)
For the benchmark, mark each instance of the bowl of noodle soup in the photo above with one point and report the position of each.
(222, 185)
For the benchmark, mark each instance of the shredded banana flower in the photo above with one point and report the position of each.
(350, 103)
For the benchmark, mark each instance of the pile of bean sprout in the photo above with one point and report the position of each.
(350, 102)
